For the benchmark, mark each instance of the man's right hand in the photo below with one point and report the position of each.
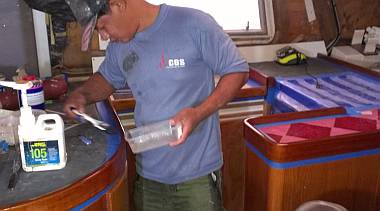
(95, 89)
(76, 100)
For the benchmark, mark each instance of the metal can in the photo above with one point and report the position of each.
(35, 95)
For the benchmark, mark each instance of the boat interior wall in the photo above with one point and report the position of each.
(267, 53)
(292, 23)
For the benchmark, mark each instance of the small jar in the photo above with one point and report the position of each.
(35, 95)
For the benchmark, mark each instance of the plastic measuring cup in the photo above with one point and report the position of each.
(152, 136)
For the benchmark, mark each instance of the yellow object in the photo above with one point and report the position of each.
(294, 58)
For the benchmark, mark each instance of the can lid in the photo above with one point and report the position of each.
(29, 78)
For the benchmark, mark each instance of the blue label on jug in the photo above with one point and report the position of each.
(39, 153)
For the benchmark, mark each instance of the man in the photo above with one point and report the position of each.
(168, 56)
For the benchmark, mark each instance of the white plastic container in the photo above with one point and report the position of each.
(45, 150)
(152, 136)
(318, 205)
(42, 142)
(35, 95)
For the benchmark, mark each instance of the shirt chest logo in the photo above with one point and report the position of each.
(172, 63)
(176, 63)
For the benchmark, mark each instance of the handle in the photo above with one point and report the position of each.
(44, 118)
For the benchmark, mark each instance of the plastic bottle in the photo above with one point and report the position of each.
(42, 142)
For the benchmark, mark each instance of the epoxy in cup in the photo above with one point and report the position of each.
(152, 136)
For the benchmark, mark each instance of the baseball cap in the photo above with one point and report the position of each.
(86, 12)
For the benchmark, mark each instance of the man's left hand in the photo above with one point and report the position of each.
(189, 119)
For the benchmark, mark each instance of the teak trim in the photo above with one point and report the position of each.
(306, 149)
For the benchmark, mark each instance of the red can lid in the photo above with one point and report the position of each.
(29, 78)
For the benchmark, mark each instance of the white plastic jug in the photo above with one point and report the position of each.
(43, 149)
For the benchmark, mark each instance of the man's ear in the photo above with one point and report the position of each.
(121, 4)
(117, 5)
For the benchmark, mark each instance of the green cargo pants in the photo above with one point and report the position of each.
(199, 194)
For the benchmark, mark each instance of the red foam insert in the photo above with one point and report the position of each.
(324, 128)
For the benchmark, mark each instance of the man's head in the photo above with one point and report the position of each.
(122, 20)
(117, 20)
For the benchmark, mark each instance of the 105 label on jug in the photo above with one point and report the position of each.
(39, 153)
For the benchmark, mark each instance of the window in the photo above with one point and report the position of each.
(246, 21)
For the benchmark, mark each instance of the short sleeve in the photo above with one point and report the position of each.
(218, 50)
(110, 69)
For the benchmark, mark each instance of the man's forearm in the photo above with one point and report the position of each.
(225, 91)
(95, 89)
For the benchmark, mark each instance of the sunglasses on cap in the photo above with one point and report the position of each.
(86, 12)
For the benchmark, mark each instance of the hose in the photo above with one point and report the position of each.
(338, 28)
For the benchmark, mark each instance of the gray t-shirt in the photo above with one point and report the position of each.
(170, 66)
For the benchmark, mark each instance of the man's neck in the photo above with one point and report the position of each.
(149, 15)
